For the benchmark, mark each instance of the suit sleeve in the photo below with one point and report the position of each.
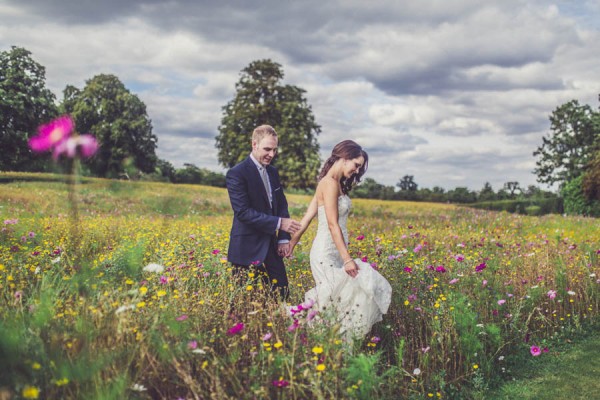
(237, 188)
(282, 210)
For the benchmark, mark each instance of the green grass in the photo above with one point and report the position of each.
(569, 371)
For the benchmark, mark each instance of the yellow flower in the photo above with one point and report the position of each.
(161, 293)
(249, 288)
(278, 344)
(143, 290)
(61, 382)
(317, 350)
(475, 366)
(141, 304)
(129, 282)
(31, 392)
(36, 365)
(321, 367)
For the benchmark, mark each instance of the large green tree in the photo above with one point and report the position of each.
(571, 144)
(25, 103)
(261, 98)
(118, 119)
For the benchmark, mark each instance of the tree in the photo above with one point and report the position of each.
(511, 188)
(261, 99)
(407, 183)
(25, 103)
(462, 195)
(118, 120)
(486, 193)
(574, 138)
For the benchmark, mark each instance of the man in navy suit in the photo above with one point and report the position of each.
(262, 225)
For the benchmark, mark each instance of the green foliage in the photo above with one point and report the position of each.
(25, 103)
(539, 206)
(575, 200)
(569, 147)
(119, 121)
(261, 99)
(200, 176)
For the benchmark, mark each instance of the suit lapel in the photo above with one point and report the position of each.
(257, 183)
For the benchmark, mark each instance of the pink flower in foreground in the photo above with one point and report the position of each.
(86, 144)
(51, 134)
(535, 351)
(237, 328)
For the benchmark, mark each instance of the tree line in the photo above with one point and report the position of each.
(569, 155)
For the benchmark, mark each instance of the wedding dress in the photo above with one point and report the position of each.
(355, 303)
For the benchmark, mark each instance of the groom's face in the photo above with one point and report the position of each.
(265, 149)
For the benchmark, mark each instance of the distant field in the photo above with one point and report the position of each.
(80, 318)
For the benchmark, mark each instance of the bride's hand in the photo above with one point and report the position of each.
(351, 269)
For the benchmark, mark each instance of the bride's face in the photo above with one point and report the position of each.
(351, 167)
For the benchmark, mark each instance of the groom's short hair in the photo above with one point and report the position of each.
(261, 131)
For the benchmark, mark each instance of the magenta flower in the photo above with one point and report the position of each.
(408, 269)
(216, 251)
(192, 345)
(535, 351)
(52, 134)
(361, 237)
(237, 328)
(459, 257)
(417, 248)
(551, 294)
(501, 301)
(440, 268)
(294, 326)
(281, 383)
(480, 267)
(182, 317)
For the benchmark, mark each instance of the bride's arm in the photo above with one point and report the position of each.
(311, 211)
(330, 199)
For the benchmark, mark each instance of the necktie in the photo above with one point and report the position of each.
(265, 179)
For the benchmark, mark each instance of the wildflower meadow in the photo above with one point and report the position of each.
(134, 299)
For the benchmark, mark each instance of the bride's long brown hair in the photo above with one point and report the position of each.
(347, 150)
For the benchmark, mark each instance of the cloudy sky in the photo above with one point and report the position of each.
(455, 93)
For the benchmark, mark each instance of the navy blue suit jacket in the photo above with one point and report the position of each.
(254, 220)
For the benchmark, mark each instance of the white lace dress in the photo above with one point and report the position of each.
(356, 303)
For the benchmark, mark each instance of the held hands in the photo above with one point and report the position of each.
(351, 268)
(289, 225)
(284, 249)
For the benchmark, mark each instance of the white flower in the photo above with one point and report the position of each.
(124, 308)
(152, 267)
(57, 259)
(500, 358)
(198, 351)
(571, 293)
(138, 388)
(417, 371)
(592, 275)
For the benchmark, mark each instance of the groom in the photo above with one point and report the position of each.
(262, 225)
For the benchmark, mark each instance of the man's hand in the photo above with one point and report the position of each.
(289, 225)
(283, 249)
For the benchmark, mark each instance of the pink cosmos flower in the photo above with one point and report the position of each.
(237, 328)
(408, 269)
(294, 326)
(361, 237)
(281, 383)
(417, 248)
(182, 318)
(535, 351)
(459, 257)
(501, 301)
(551, 294)
(480, 267)
(86, 144)
(52, 134)
(192, 345)
(440, 268)
(453, 281)
(267, 336)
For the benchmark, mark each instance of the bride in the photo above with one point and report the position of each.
(350, 290)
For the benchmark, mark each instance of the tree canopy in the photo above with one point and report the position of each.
(572, 143)
(261, 98)
(119, 121)
(25, 103)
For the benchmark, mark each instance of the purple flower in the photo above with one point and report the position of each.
(267, 336)
(192, 345)
(294, 326)
(480, 267)
(459, 257)
(417, 248)
(408, 269)
(360, 237)
(440, 268)
(281, 383)
(237, 328)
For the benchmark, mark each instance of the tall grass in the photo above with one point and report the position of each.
(471, 295)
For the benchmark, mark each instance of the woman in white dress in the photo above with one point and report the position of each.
(349, 290)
